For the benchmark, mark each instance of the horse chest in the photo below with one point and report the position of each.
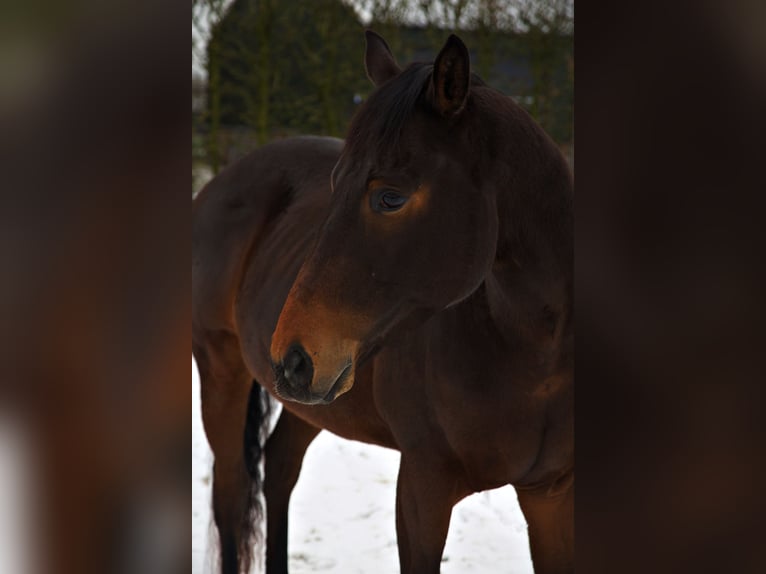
(488, 427)
(494, 433)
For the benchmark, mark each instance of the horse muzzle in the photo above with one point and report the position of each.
(299, 379)
(314, 346)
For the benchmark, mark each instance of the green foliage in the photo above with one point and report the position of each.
(289, 66)
(283, 67)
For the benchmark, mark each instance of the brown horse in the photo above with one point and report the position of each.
(410, 288)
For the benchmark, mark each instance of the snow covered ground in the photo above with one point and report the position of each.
(342, 513)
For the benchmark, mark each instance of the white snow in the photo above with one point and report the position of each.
(342, 513)
(17, 487)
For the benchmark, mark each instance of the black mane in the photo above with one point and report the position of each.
(379, 122)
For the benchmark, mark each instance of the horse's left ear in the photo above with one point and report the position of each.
(378, 59)
(451, 78)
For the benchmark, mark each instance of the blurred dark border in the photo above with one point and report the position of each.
(670, 126)
(95, 295)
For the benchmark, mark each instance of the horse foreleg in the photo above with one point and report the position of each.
(225, 390)
(425, 495)
(283, 458)
(549, 511)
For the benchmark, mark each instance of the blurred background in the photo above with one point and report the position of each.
(266, 69)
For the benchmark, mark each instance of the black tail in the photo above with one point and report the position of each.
(256, 433)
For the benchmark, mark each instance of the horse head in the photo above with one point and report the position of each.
(412, 228)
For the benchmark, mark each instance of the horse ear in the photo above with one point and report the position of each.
(378, 59)
(451, 78)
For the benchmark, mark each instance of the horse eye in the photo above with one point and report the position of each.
(386, 201)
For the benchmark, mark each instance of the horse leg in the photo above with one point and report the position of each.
(226, 389)
(425, 495)
(283, 459)
(550, 518)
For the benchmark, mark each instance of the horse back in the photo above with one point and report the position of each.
(234, 214)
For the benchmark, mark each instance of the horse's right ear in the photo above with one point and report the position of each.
(379, 60)
(451, 79)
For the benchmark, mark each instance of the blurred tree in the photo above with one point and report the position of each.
(548, 26)
(387, 18)
(244, 43)
(439, 16)
(280, 67)
(207, 14)
(487, 24)
(290, 65)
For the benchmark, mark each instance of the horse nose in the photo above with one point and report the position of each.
(298, 367)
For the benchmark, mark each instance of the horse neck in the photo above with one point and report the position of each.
(528, 291)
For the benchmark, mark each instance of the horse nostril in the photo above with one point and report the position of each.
(297, 365)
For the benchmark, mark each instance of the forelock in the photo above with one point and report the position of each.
(377, 126)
